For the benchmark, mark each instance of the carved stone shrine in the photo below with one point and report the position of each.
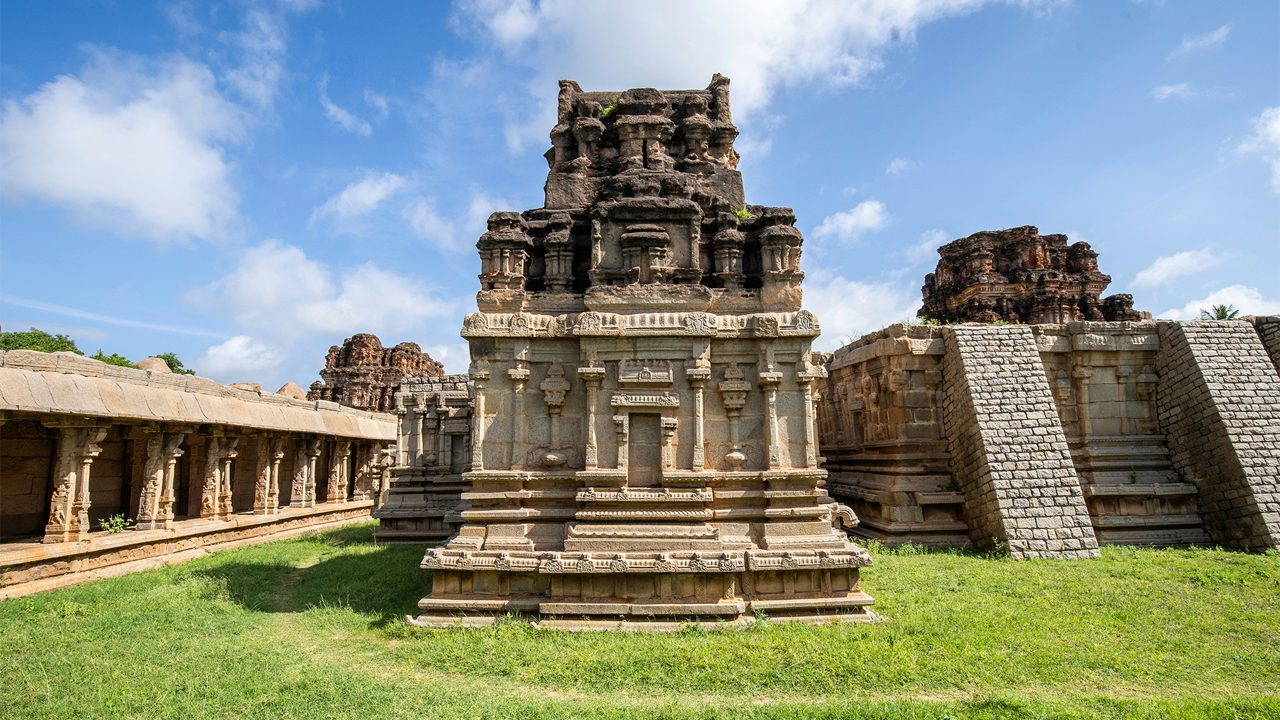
(644, 449)
(1020, 276)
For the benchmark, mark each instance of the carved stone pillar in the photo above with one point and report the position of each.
(69, 504)
(339, 463)
(480, 379)
(805, 375)
(217, 470)
(733, 391)
(519, 375)
(152, 475)
(225, 508)
(697, 374)
(262, 476)
(620, 428)
(592, 376)
(155, 504)
(668, 427)
(273, 495)
(1081, 375)
(553, 388)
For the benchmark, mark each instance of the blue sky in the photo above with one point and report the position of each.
(247, 183)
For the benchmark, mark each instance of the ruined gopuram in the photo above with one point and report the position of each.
(433, 450)
(1020, 276)
(644, 449)
(362, 374)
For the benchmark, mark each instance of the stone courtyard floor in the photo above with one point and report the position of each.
(310, 628)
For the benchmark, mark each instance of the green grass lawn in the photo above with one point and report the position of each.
(310, 628)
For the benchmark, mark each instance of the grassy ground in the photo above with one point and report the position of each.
(309, 628)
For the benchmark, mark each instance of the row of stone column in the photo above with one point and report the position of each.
(78, 444)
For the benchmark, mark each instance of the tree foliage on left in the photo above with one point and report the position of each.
(36, 339)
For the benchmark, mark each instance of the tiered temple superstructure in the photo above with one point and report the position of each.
(362, 374)
(644, 446)
(1020, 276)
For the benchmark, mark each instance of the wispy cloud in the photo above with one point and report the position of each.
(359, 198)
(850, 225)
(1179, 91)
(108, 319)
(1249, 301)
(1265, 143)
(1171, 267)
(927, 249)
(901, 165)
(1196, 43)
(344, 118)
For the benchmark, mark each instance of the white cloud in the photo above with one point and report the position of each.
(343, 117)
(1200, 42)
(276, 291)
(1265, 142)
(135, 146)
(847, 309)
(378, 102)
(1171, 267)
(850, 225)
(239, 359)
(359, 198)
(901, 165)
(1245, 299)
(426, 221)
(1180, 91)
(926, 251)
(453, 234)
(261, 46)
(456, 357)
(761, 44)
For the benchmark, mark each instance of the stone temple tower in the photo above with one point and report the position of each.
(643, 445)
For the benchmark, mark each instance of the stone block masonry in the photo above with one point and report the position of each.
(1219, 405)
(1268, 328)
(1008, 451)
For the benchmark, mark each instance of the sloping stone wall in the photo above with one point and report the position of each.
(1268, 328)
(1007, 447)
(1219, 404)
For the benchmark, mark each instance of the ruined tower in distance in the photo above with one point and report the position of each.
(644, 448)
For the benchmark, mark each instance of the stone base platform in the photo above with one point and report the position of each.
(27, 568)
(644, 591)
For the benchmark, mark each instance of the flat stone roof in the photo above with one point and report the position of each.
(64, 383)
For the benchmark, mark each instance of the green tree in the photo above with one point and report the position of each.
(171, 359)
(34, 339)
(1220, 312)
(113, 359)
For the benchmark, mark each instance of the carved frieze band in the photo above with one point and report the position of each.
(786, 324)
(673, 562)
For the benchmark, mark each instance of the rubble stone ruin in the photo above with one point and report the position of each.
(362, 374)
(1020, 276)
(644, 447)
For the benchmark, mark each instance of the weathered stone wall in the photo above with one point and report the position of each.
(885, 451)
(1219, 403)
(1166, 441)
(27, 449)
(1008, 451)
(1268, 328)
(1104, 379)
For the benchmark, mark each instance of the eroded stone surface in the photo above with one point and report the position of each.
(643, 445)
(1019, 275)
(362, 374)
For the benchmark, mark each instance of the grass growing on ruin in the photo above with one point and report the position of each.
(309, 628)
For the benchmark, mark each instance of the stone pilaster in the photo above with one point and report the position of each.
(70, 501)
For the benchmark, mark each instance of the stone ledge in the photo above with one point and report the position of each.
(27, 568)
